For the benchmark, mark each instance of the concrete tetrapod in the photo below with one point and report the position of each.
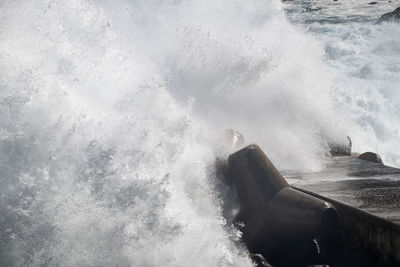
(293, 227)
(286, 226)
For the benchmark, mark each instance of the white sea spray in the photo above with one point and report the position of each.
(365, 65)
(111, 114)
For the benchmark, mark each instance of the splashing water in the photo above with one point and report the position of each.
(111, 114)
(364, 62)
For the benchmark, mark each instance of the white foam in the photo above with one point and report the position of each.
(110, 116)
(365, 63)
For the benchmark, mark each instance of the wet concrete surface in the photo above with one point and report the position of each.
(369, 186)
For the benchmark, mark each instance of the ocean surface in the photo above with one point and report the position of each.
(113, 113)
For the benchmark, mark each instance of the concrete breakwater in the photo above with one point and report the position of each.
(290, 226)
(369, 239)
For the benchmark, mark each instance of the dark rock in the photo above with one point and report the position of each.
(370, 156)
(390, 17)
(337, 149)
(373, 3)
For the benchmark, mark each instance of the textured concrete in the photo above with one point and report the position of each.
(367, 198)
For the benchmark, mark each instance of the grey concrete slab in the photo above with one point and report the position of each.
(371, 187)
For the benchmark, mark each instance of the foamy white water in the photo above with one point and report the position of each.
(113, 112)
(365, 63)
